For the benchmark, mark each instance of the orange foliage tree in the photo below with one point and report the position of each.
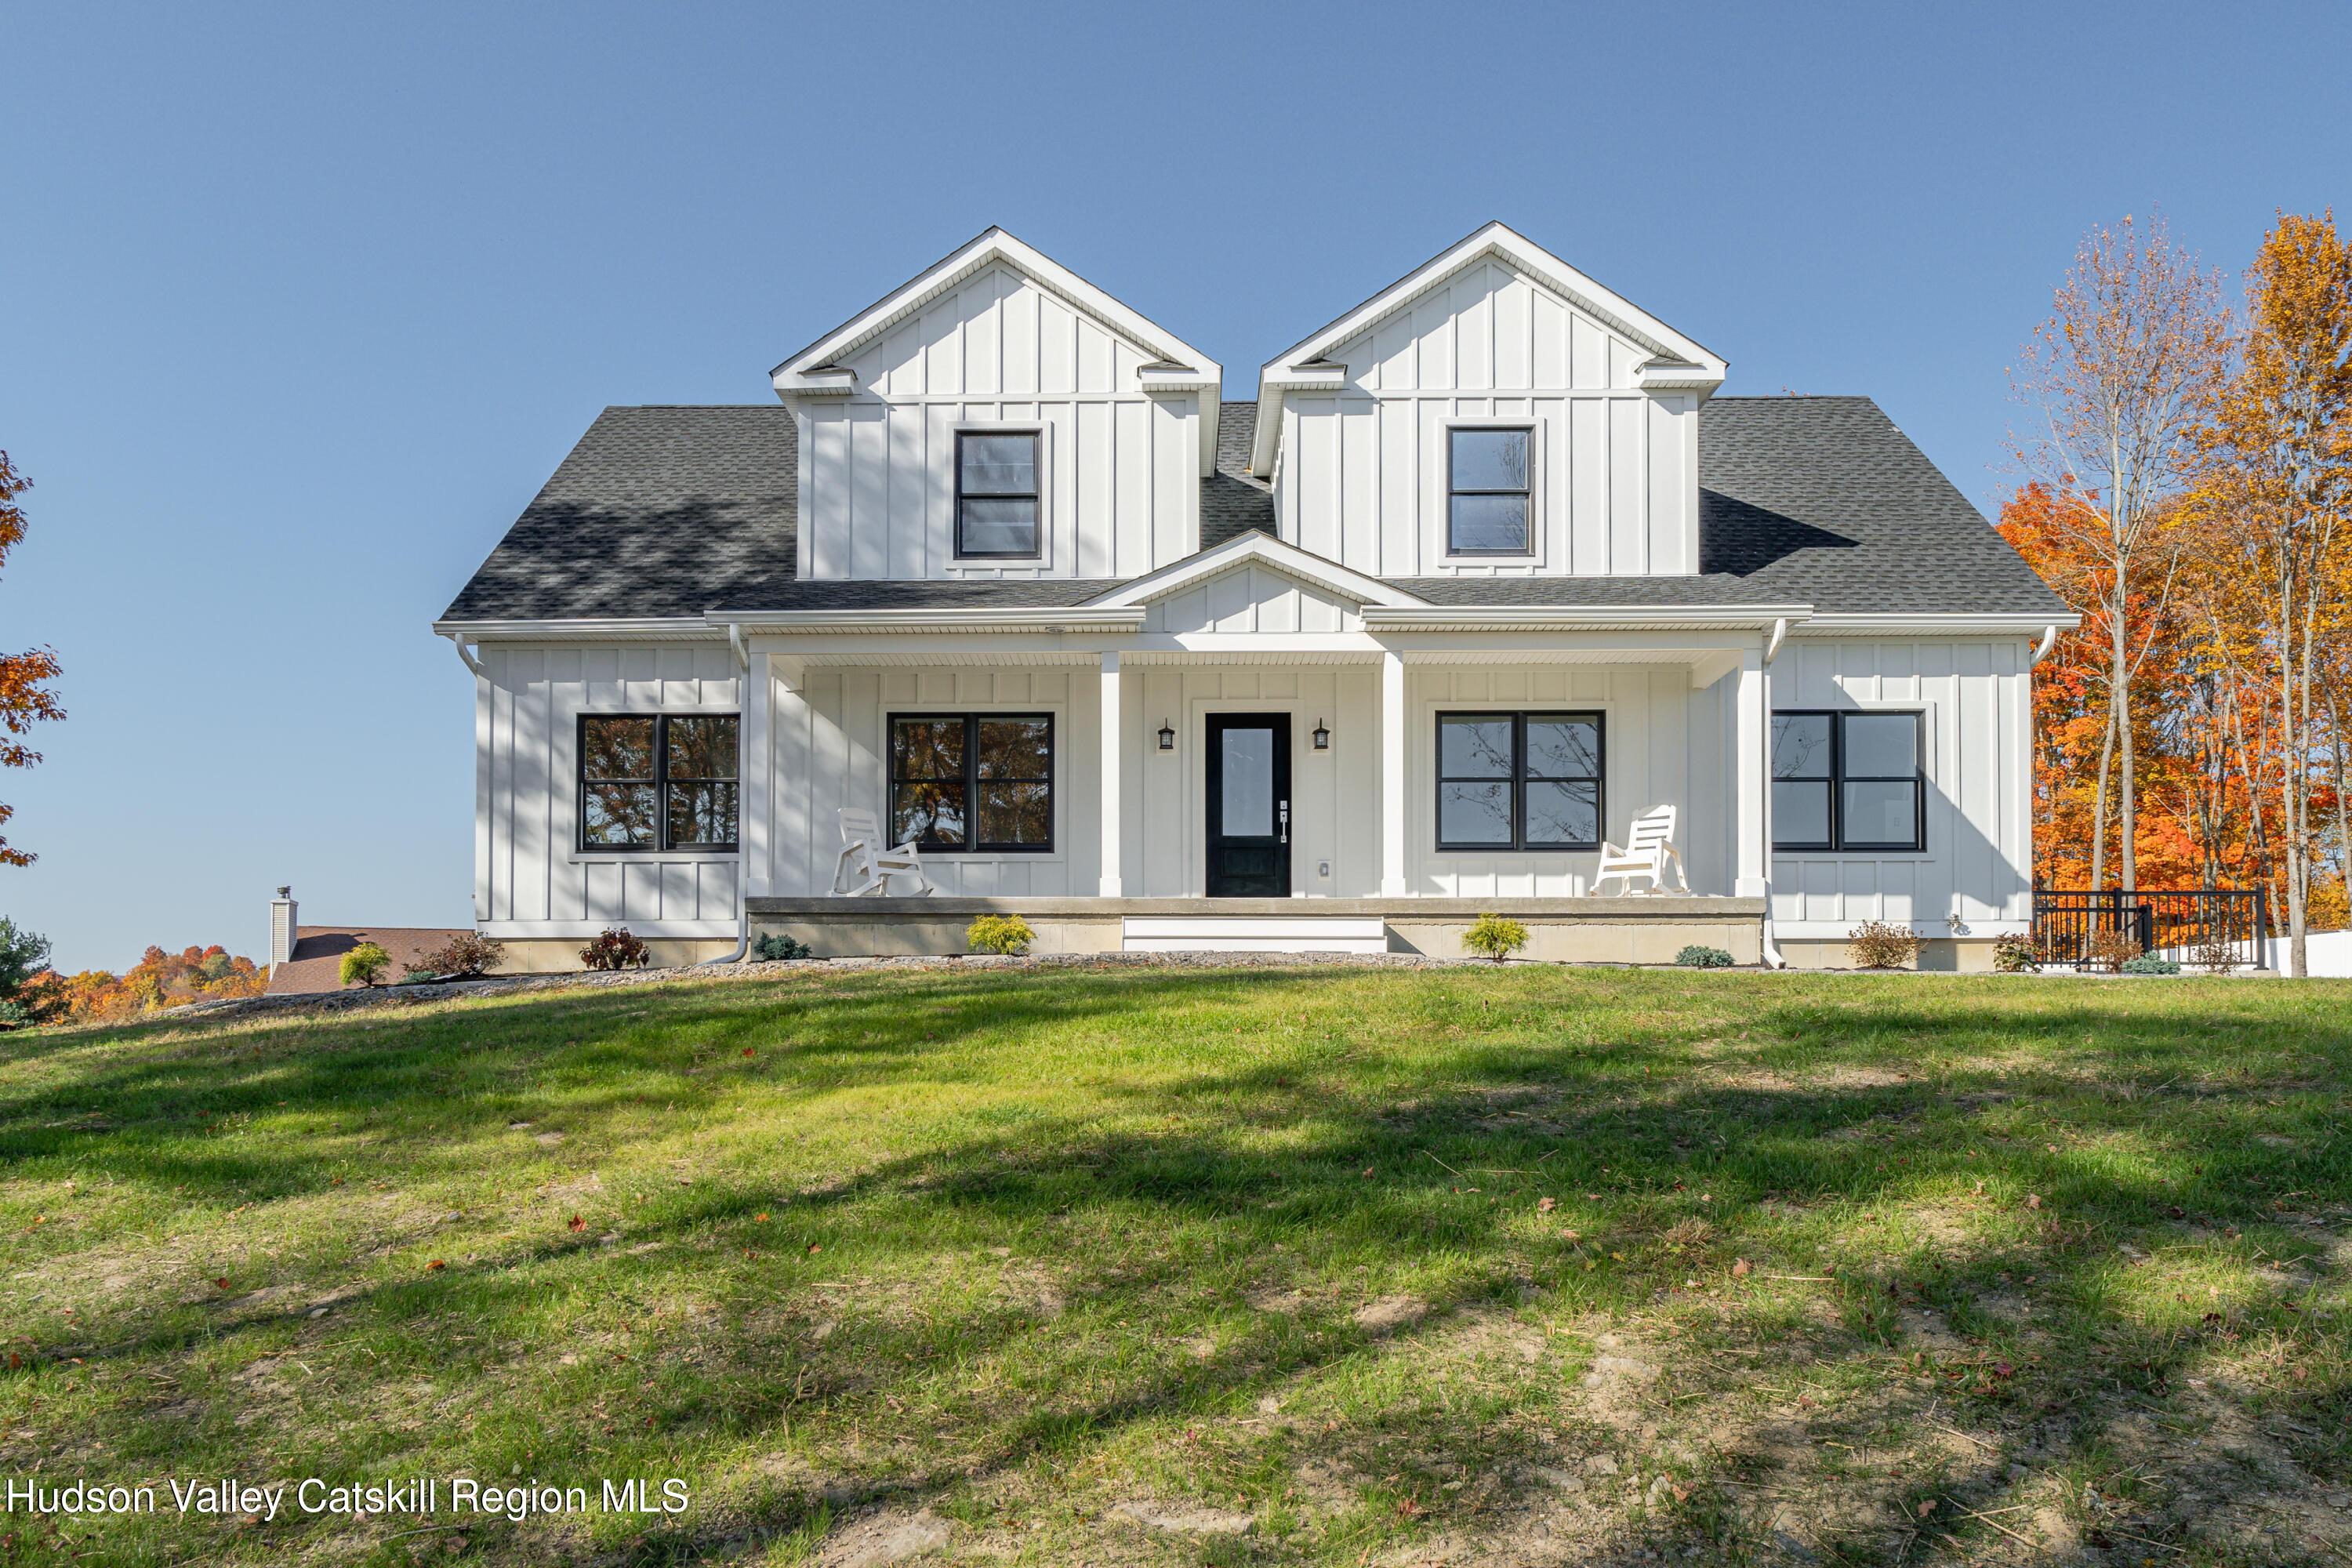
(2212, 673)
(25, 699)
(160, 980)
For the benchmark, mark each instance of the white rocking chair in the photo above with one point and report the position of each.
(865, 867)
(1648, 848)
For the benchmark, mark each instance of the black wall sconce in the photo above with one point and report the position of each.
(1322, 737)
(1166, 737)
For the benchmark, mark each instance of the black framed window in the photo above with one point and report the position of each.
(1488, 491)
(1847, 781)
(996, 492)
(962, 783)
(1518, 781)
(658, 781)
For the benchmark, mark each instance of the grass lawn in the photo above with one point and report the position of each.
(1337, 1265)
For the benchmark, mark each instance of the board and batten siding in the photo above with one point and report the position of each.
(1363, 478)
(1978, 868)
(1120, 493)
(832, 750)
(1253, 599)
(531, 876)
(1662, 745)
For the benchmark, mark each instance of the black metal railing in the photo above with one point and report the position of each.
(2189, 925)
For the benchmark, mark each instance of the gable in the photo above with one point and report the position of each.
(1491, 328)
(1251, 597)
(1000, 334)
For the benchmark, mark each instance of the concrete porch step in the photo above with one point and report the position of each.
(1150, 933)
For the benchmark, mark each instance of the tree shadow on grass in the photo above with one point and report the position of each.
(1259, 1189)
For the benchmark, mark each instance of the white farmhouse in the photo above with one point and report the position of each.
(1484, 573)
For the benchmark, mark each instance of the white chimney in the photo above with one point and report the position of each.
(281, 927)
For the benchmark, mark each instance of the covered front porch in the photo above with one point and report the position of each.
(1572, 930)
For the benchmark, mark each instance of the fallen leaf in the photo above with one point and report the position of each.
(2051, 1147)
(1367, 1173)
(814, 1248)
(222, 1283)
(576, 1223)
(437, 1263)
(1741, 1268)
(2033, 1200)
(760, 1216)
(1545, 1206)
(746, 1050)
(1927, 1508)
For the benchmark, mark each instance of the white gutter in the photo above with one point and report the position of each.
(1579, 617)
(659, 628)
(457, 641)
(944, 620)
(1934, 624)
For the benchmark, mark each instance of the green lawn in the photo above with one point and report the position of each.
(1345, 1265)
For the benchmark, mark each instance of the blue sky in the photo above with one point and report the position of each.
(299, 306)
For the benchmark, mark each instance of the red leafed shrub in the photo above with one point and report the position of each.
(614, 948)
(468, 955)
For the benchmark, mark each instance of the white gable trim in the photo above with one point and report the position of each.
(1178, 367)
(1314, 570)
(1682, 363)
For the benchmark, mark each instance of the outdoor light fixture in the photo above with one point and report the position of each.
(1322, 737)
(1166, 737)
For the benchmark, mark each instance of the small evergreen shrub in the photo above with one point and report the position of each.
(1492, 936)
(2148, 964)
(615, 950)
(418, 975)
(2015, 953)
(467, 956)
(1876, 944)
(29, 994)
(1697, 957)
(363, 965)
(998, 933)
(776, 946)
(2110, 950)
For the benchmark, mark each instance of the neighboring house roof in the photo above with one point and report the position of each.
(671, 512)
(319, 955)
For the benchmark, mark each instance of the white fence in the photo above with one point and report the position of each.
(2328, 953)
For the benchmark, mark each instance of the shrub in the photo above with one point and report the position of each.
(2110, 950)
(418, 975)
(614, 948)
(1875, 944)
(1492, 936)
(2148, 964)
(2217, 957)
(363, 965)
(1697, 957)
(2015, 953)
(776, 946)
(469, 955)
(25, 998)
(998, 933)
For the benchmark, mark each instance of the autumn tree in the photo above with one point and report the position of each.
(25, 699)
(2115, 378)
(2277, 449)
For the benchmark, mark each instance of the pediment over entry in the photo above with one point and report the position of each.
(1260, 554)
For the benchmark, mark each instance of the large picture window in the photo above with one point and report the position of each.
(962, 783)
(1488, 489)
(1518, 781)
(996, 492)
(1847, 781)
(651, 782)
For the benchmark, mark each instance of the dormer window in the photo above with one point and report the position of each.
(996, 493)
(1487, 488)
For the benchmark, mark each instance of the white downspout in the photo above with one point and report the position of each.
(2041, 651)
(1771, 949)
(458, 642)
(743, 866)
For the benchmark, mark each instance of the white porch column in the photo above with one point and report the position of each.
(1392, 739)
(1752, 855)
(757, 863)
(1110, 791)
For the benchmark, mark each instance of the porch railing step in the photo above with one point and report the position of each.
(1148, 933)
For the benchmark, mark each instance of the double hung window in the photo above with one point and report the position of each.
(651, 782)
(1488, 491)
(1847, 781)
(967, 782)
(996, 493)
(1518, 781)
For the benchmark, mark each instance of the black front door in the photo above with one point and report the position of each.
(1249, 805)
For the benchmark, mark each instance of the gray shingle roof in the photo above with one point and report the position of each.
(672, 510)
